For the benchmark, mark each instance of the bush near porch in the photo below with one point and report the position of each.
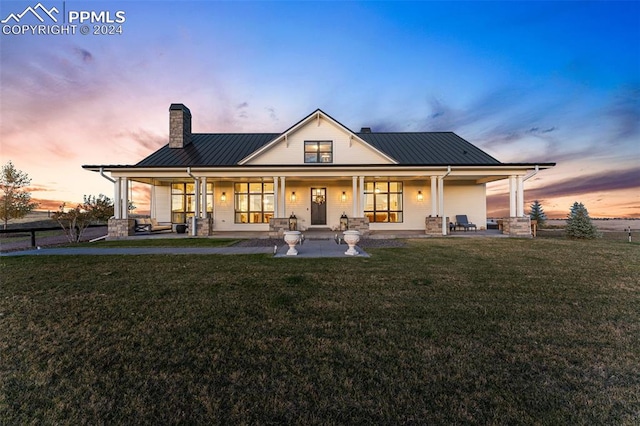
(443, 331)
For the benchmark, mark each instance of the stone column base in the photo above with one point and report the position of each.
(119, 228)
(204, 227)
(517, 226)
(360, 224)
(277, 226)
(433, 225)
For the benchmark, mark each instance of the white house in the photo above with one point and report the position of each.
(317, 170)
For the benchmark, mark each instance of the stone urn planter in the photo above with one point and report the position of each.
(351, 238)
(292, 238)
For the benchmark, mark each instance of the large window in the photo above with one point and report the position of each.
(318, 152)
(383, 201)
(183, 201)
(254, 202)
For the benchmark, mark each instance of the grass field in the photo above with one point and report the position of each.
(443, 331)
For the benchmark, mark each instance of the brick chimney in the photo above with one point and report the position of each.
(179, 126)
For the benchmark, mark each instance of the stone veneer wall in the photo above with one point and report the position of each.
(204, 227)
(277, 226)
(359, 224)
(517, 226)
(433, 225)
(118, 228)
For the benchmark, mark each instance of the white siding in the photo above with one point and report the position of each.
(345, 151)
(161, 204)
(458, 199)
(466, 199)
(335, 206)
(224, 211)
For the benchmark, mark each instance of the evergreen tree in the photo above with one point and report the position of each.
(537, 213)
(15, 201)
(579, 223)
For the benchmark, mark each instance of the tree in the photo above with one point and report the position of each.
(75, 221)
(537, 213)
(15, 202)
(100, 207)
(579, 223)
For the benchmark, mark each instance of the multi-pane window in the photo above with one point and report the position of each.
(318, 152)
(383, 201)
(254, 202)
(183, 201)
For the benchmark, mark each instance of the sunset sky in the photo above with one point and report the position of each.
(525, 81)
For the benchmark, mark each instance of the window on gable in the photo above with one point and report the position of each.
(318, 151)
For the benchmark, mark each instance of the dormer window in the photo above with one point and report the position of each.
(318, 151)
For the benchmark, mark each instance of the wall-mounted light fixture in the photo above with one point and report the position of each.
(293, 196)
(223, 197)
(420, 196)
(344, 196)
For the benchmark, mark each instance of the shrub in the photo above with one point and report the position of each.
(537, 213)
(579, 223)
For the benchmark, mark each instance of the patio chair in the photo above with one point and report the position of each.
(463, 222)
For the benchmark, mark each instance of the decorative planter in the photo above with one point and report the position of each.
(181, 229)
(351, 238)
(292, 238)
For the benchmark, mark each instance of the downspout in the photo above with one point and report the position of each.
(112, 180)
(522, 185)
(444, 222)
(532, 174)
(115, 202)
(193, 221)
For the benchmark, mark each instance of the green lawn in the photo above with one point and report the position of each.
(443, 331)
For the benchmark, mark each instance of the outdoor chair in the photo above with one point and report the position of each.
(463, 222)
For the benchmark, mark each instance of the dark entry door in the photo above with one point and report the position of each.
(318, 206)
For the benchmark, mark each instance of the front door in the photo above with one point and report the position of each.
(318, 206)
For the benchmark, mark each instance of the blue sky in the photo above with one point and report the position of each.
(525, 81)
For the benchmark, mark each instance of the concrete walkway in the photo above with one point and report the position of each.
(320, 248)
(310, 248)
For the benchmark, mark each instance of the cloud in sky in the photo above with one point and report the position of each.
(525, 81)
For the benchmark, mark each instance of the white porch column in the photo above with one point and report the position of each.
(125, 198)
(117, 201)
(354, 196)
(520, 197)
(203, 207)
(283, 194)
(276, 197)
(196, 192)
(512, 196)
(434, 196)
(361, 198)
(441, 204)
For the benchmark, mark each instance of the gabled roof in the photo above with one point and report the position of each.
(401, 148)
(318, 114)
(228, 149)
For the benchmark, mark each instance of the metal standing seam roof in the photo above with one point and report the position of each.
(428, 148)
(413, 148)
